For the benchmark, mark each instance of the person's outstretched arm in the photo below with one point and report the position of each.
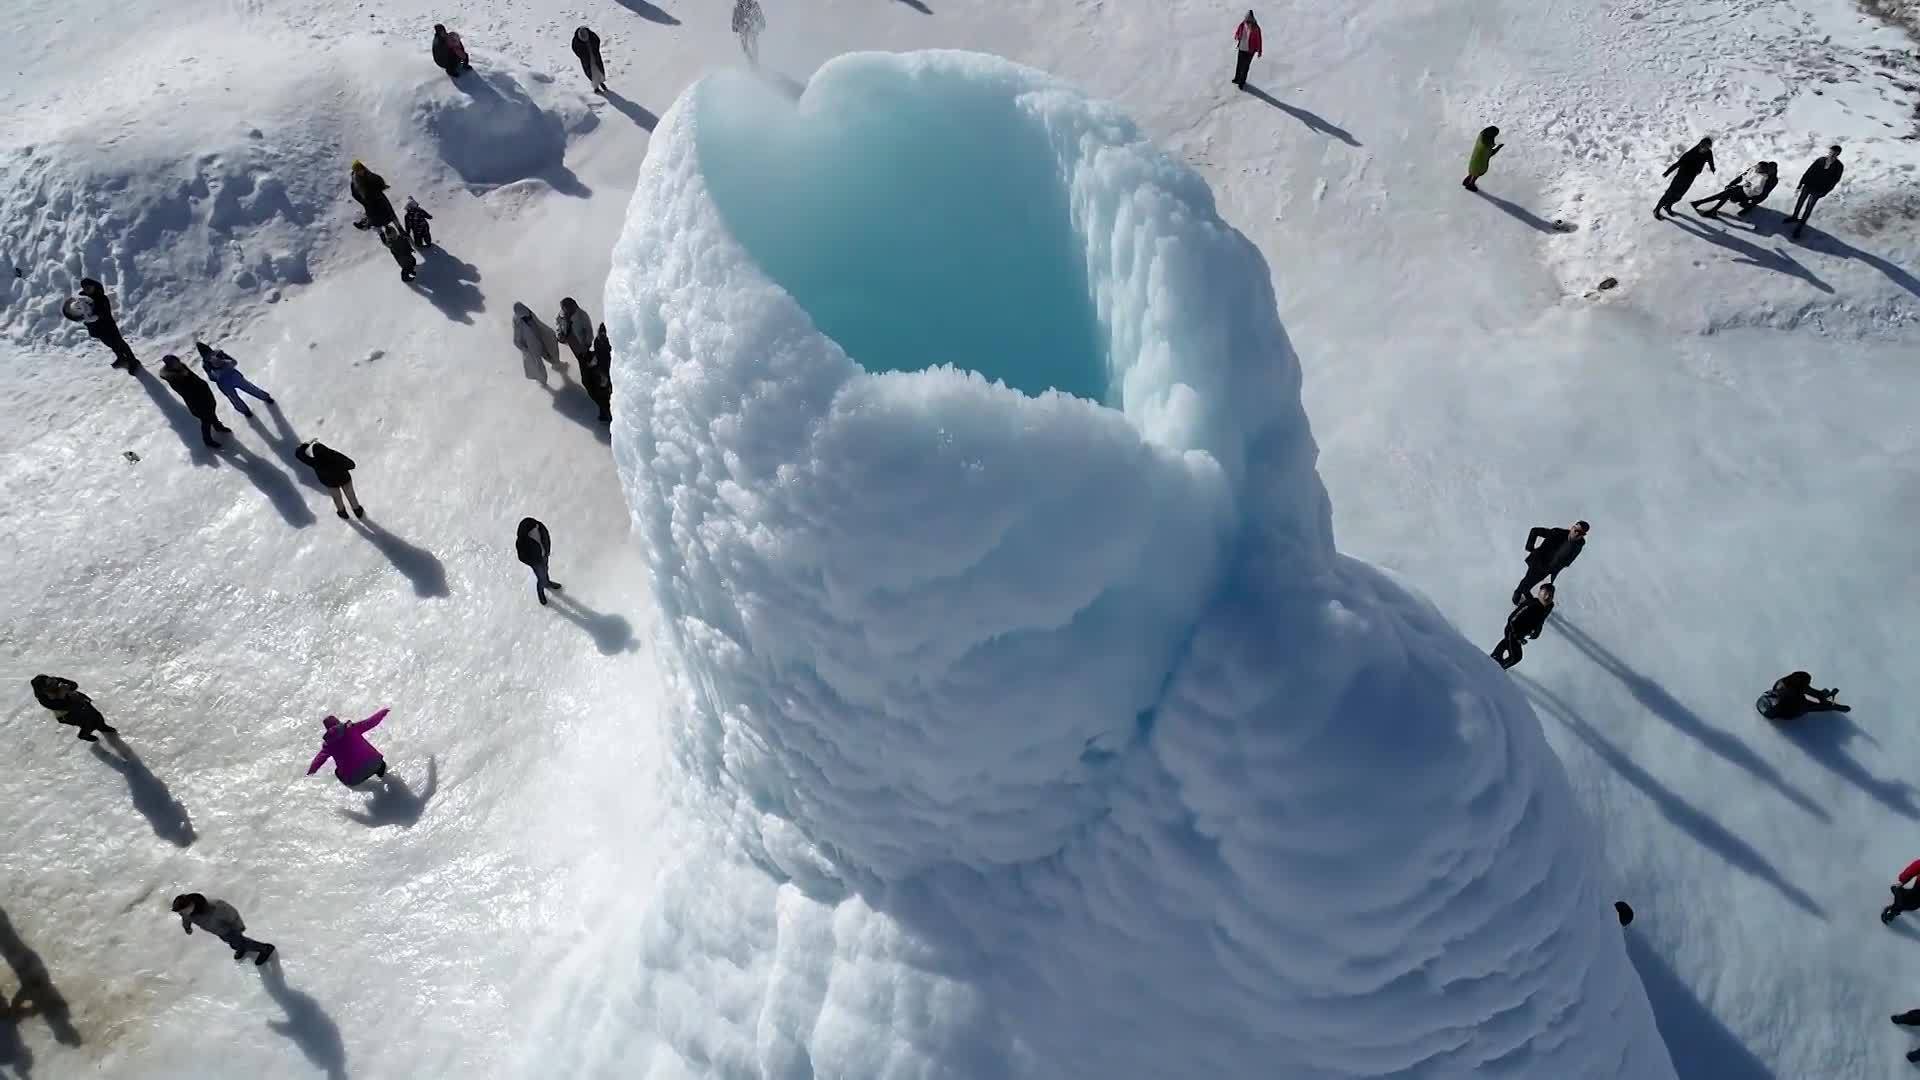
(370, 722)
(319, 760)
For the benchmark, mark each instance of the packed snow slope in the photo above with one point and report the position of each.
(1045, 737)
(1735, 418)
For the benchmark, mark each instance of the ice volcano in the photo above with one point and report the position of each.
(1031, 724)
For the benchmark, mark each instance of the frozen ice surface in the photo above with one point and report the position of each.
(1034, 733)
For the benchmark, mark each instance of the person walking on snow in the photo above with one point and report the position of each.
(418, 230)
(536, 345)
(198, 396)
(449, 52)
(534, 547)
(1481, 159)
(1793, 696)
(1549, 551)
(369, 189)
(586, 46)
(1524, 623)
(217, 917)
(1910, 1018)
(401, 251)
(598, 376)
(62, 697)
(748, 21)
(334, 470)
(92, 310)
(355, 761)
(1684, 171)
(225, 374)
(1749, 190)
(1906, 895)
(576, 329)
(1819, 179)
(1246, 40)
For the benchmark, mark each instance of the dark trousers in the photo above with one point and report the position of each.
(1676, 191)
(1803, 209)
(241, 944)
(208, 425)
(1240, 68)
(1733, 193)
(110, 337)
(1507, 653)
(541, 582)
(88, 720)
(1535, 575)
(1904, 899)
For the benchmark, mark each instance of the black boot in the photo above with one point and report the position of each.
(266, 954)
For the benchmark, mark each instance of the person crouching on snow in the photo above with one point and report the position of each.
(355, 761)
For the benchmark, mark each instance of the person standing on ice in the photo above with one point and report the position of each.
(1684, 171)
(1793, 696)
(1481, 159)
(1906, 895)
(334, 470)
(418, 230)
(597, 377)
(1246, 39)
(1549, 551)
(217, 917)
(536, 346)
(576, 329)
(62, 697)
(1820, 178)
(449, 52)
(534, 547)
(748, 21)
(401, 251)
(586, 46)
(355, 761)
(369, 189)
(1524, 623)
(198, 396)
(1749, 190)
(92, 310)
(225, 374)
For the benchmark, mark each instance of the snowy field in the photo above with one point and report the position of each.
(569, 877)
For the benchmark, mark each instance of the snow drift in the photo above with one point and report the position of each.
(1032, 725)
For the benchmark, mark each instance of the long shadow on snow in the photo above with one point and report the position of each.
(1662, 704)
(394, 803)
(150, 795)
(612, 634)
(1754, 255)
(1689, 818)
(1829, 244)
(422, 567)
(307, 1024)
(918, 6)
(36, 996)
(448, 282)
(479, 86)
(1700, 1045)
(1519, 213)
(1313, 121)
(280, 489)
(648, 12)
(633, 111)
(1824, 737)
(571, 401)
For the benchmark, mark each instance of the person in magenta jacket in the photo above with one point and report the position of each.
(354, 759)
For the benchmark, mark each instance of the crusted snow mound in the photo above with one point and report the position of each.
(1031, 724)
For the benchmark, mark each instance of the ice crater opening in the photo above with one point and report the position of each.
(944, 211)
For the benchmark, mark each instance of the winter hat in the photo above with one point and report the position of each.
(331, 722)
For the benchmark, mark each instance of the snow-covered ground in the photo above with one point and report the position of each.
(1735, 419)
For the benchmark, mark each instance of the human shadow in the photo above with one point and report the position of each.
(448, 282)
(280, 489)
(307, 1025)
(648, 12)
(611, 634)
(395, 803)
(1687, 817)
(1828, 244)
(1699, 1044)
(182, 421)
(1823, 736)
(639, 114)
(150, 795)
(1314, 122)
(284, 442)
(1662, 704)
(1751, 254)
(918, 6)
(34, 995)
(1519, 213)
(570, 400)
(422, 567)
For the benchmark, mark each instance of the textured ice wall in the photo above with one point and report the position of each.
(1021, 734)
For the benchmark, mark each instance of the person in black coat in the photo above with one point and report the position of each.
(586, 46)
(597, 374)
(369, 189)
(69, 706)
(402, 252)
(1549, 551)
(94, 311)
(534, 547)
(1794, 695)
(334, 470)
(449, 52)
(197, 395)
(1684, 171)
(1524, 623)
(1819, 179)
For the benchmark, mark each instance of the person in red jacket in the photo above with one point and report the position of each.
(1906, 894)
(1246, 37)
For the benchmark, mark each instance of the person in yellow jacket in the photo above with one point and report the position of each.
(1481, 159)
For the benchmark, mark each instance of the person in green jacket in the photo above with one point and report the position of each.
(1482, 158)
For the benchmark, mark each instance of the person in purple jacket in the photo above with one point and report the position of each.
(355, 761)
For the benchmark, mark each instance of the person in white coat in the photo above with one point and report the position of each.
(576, 329)
(535, 342)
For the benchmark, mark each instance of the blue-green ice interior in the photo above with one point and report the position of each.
(919, 219)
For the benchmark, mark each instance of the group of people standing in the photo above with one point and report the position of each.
(591, 349)
(1752, 187)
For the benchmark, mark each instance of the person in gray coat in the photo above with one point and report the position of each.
(217, 917)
